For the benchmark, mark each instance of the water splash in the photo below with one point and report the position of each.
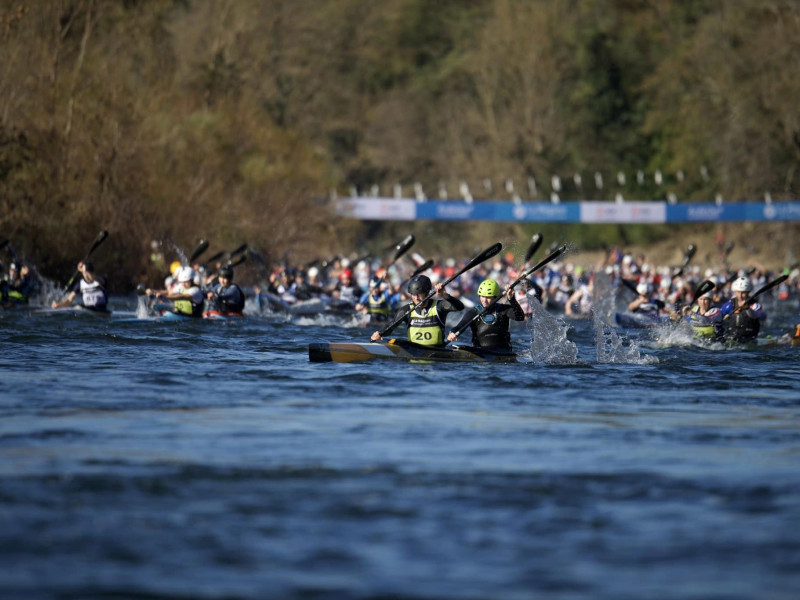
(612, 348)
(142, 307)
(549, 344)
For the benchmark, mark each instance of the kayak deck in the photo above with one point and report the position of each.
(345, 352)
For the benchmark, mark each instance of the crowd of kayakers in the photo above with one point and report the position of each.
(717, 303)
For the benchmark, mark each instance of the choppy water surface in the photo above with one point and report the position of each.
(212, 460)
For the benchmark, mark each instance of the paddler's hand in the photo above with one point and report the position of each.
(376, 337)
(452, 337)
(439, 287)
(509, 292)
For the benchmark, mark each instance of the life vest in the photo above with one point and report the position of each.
(185, 306)
(347, 293)
(94, 295)
(742, 326)
(17, 297)
(379, 306)
(425, 327)
(490, 330)
(648, 308)
(228, 302)
(702, 326)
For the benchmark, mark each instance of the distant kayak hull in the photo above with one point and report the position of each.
(215, 315)
(632, 320)
(401, 350)
(75, 311)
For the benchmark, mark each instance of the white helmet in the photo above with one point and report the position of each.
(185, 274)
(643, 289)
(742, 284)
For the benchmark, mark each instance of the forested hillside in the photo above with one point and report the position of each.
(234, 119)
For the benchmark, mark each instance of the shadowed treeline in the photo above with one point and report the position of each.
(232, 119)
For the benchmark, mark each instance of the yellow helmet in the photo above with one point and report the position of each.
(489, 289)
(174, 266)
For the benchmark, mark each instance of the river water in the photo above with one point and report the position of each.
(213, 460)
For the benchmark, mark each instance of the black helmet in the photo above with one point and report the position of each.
(420, 284)
(226, 272)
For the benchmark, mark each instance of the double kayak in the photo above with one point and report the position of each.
(396, 349)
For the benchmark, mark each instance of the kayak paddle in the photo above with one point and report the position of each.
(401, 248)
(474, 262)
(704, 287)
(97, 241)
(687, 258)
(231, 255)
(536, 241)
(237, 261)
(548, 259)
(423, 267)
(752, 299)
(201, 247)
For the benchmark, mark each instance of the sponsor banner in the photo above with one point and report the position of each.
(448, 210)
(499, 211)
(700, 212)
(734, 212)
(539, 212)
(378, 209)
(624, 212)
(773, 211)
(405, 209)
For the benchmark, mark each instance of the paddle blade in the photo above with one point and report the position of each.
(629, 284)
(704, 288)
(201, 247)
(215, 257)
(257, 257)
(536, 241)
(97, 241)
(237, 261)
(491, 251)
(690, 252)
(403, 247)
(423, 267)
(239, 250)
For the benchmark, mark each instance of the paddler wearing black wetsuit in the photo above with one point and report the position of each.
(490, 329)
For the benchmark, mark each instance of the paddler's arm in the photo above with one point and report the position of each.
(65, 302)
(455, 303)
(514, 308)
(465, 318)
(400, 316)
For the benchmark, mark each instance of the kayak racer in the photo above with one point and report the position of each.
(490, 328)
(426, 322)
